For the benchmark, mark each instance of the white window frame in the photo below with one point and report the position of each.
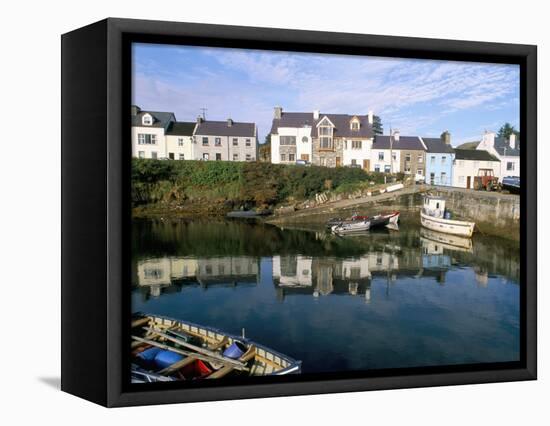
(180, 141)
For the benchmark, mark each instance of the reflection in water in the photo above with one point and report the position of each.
(398, 299)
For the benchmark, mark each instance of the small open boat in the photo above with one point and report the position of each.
(166, 349)
(358, 223)
(434, 216)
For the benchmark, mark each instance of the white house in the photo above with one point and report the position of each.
(506, 150)
(331, 140)
(467, 164)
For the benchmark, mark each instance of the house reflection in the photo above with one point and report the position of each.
(167, 274)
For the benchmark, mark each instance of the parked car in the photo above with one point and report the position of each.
(353, 166)
(303, 163)
(419, 179)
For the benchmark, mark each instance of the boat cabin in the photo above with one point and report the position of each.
(434, 206)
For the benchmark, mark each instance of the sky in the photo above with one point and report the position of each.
(417, 97)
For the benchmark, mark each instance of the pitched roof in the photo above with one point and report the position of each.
(220, 128)
(181, 128)
(341, 123)
(437, 145)
(404, 143)
(160, 119)
(502, 146)
(468, 145)
(474, 154)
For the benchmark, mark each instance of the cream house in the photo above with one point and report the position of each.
(467, 165)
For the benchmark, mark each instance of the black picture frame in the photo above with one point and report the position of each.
(96, 210)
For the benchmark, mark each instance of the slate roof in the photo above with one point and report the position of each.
(412, 143)
(437, 145)
(341, 124)
(160, 119)
(502, 146)
(468, 145)
(181, 128)
(474, 154)
(220, 128)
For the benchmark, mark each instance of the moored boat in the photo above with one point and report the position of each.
(358, 223)
(436, 217)
(166, 349)
(351, 227)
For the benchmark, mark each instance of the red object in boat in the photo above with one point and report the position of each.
(195, 370)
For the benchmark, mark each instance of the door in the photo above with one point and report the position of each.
(338, 162)
(304, 157)
(218, 156)
(468, 179)
(366, 165)
(171, 155)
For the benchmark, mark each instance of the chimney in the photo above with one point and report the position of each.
(316, 114)
(446, 137)
(135, 110)
(278, 112)
(396, 135)
(489, 139)
(512, 140)
(229, 122)
(199, 119)
(370, 116)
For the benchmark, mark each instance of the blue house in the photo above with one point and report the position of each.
(439, 160)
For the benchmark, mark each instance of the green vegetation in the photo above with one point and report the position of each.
(506, 130)
(219, 186)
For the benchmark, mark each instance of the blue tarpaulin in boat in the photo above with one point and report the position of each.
(235, 351)
(164, 358)
(148, 355)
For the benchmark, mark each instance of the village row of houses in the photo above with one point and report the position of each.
(335, 140)
(330, 140)
(158, 135)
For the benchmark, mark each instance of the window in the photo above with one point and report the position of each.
(180, 141)
(287, 140)
(291, 157)
(460, 163)
(218, 141)
(247, 142)
(432, 159)
(381, 156)
(420, 158)
(325, 140)
(443, 178)
(218, 156)
(377, 168)
(205, 156)
(510, 165)
(154, 155)
(305, 139)
(147, 139)
(147, 120)
(141, 154)
(182, 157)
(394, 156)
(407, 169)
(443, 160)
(205, 141)
(354, 125)
(283, 157)
(249, 157)
(420, 172)
(408, 157)
(353, 162)
(171, 155)
(235, 157)
(356, 144)
(387, 169)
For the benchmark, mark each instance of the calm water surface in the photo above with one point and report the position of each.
(385, 300)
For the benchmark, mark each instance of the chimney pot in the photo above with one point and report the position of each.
(512, 140)
(199, 119)
(370, 116)
(446, 137)
(278, 112)
(396, 135)
(229, 122)
(316, 114)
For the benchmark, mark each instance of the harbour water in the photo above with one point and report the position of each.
(384, 300)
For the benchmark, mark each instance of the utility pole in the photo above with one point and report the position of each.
(204, 113)
(391, 150)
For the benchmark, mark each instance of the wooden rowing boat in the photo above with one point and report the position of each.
(167, 349)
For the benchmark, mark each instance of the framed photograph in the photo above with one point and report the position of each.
(255, 212)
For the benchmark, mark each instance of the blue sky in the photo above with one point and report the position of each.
(418, 97)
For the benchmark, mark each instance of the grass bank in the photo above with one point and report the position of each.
(215, 187)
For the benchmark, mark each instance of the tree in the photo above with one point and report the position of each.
(506, 130)
(377, 126)
(264, 150)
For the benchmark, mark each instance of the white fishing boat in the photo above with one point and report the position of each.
(434, 216)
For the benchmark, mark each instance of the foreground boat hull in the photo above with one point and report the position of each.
(447, 226)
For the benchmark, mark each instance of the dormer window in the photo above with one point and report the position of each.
(354, 123)
(147, 120)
